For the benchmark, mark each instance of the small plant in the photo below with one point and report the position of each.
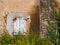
(54, 29)
(31, 39)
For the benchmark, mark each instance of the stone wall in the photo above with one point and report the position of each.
(47, 9)
(31, 7)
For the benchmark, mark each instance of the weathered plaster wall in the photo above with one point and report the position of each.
(28, 6)
(57, 3)
(21, 6)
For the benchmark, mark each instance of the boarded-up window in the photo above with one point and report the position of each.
(20, 25)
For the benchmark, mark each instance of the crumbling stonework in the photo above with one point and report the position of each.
(47, 9)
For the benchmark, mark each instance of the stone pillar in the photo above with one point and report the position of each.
(47, 7)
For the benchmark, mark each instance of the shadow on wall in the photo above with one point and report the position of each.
(35, 20)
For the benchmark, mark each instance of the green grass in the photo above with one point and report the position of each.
(53, 30)
(32, 39)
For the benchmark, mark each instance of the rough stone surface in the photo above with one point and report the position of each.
(47, 7)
